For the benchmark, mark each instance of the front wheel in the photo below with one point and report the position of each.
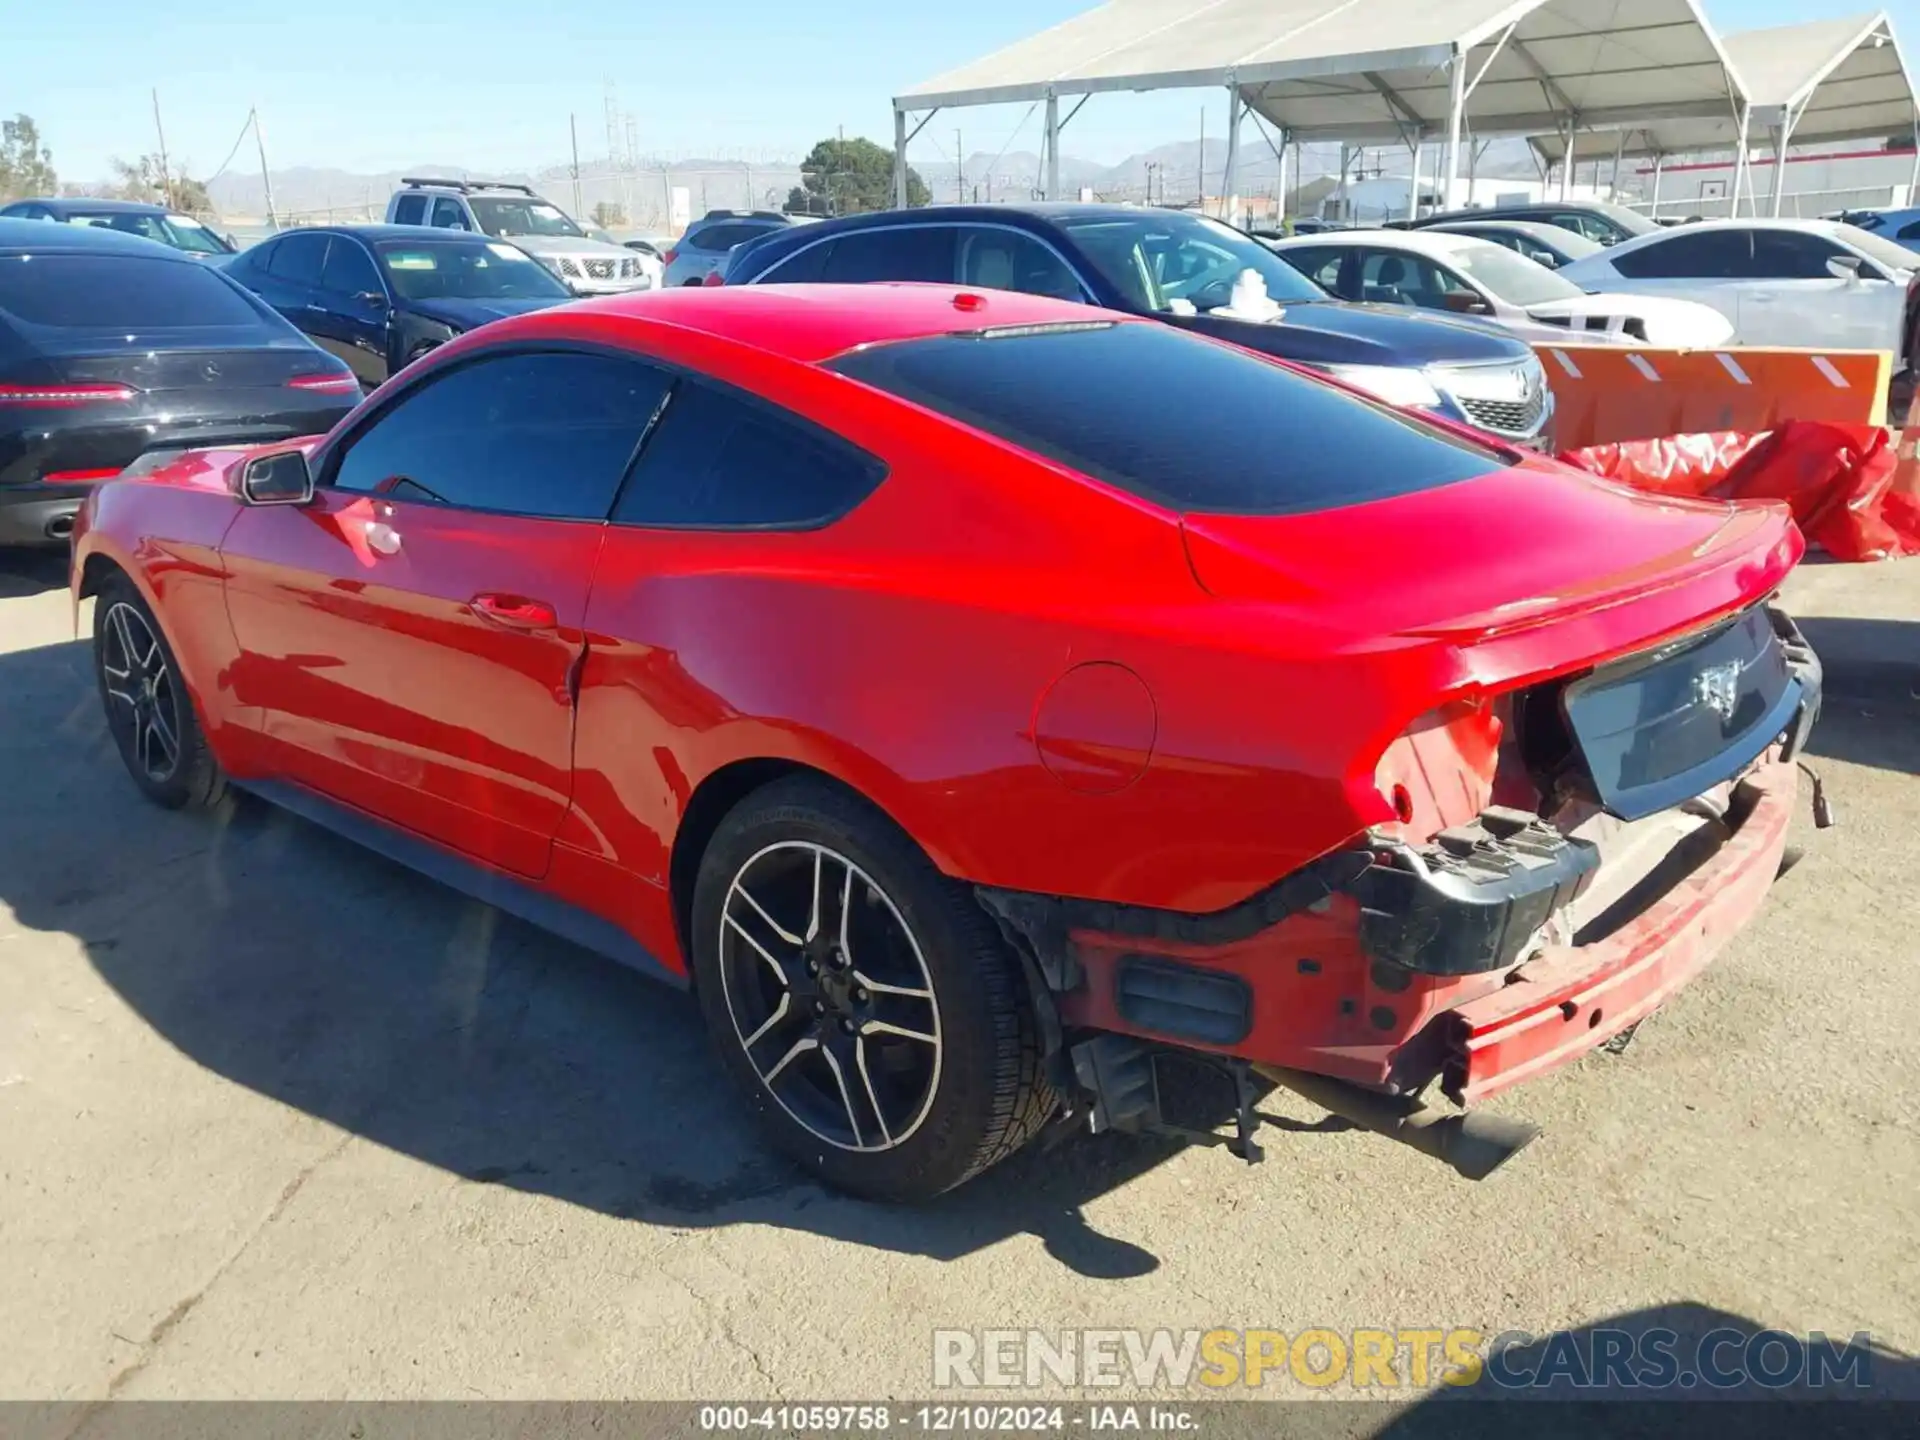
(867, 1008)
(149, 712)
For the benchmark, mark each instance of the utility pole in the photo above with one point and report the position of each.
(266, 176)
(166, 183)
(573, 132)
(959, 169)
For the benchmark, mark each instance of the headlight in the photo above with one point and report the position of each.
(1388, 382)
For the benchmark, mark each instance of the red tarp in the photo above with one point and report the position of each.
(1851, 490)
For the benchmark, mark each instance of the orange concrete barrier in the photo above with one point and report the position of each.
(1607, 393)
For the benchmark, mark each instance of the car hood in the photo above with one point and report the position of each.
(568, 245)
(1544, 567)
(1670, 322)
(1334, 333)
(471, 314)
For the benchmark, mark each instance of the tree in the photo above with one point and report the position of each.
(608, 216)
(26, 166)
(842, 177)
(140, 180)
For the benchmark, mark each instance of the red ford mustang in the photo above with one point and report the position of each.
(983, 701)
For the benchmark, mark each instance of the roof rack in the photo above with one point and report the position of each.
(465, 187)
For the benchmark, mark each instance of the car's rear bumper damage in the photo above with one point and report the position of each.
(1494, 952)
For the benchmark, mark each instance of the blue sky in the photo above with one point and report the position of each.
(371, 84)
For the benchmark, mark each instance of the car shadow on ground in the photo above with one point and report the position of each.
(1871, 714)
(320, 975)
(31, 572)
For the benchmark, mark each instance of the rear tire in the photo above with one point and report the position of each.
(895, 1065)
(149, 711)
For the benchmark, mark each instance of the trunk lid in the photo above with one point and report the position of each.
(1520, 550)
(151, 370)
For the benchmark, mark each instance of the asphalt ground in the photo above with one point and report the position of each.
(279, 1121)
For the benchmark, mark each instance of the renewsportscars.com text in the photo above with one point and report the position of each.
(1386, 1360)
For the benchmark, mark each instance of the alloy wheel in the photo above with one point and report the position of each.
(143, 699)
(830, 996)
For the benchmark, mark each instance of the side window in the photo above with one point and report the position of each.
(412, 210)
(719, 461)
(719, 238)
(903, 252)
(1791, 255)
(1909, 232)
(349, 270)
(298, 259)
(807, 267)
(448, 215)
(1689, 255)
(539, 434)
(1394, 279)
(1007, 260)
(1319, 263)
(1591, 226)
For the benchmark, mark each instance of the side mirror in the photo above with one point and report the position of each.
(278, 479)
(1844, 267)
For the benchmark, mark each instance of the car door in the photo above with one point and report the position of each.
(1710, 265)
(1790, 297)
(290, 277)
(350, 310)
(409, 642)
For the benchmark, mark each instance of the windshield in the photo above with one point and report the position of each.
(1877, 248)
(499, 216)
(452, 271)
(182, 232)
(1158, 258)
(1509, 277)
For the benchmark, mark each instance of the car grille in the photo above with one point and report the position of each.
(1512, 401)
(1507, 417)
(569, 267)
(601, 269)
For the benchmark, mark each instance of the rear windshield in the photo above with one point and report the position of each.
(128, 293)
(1185, 422)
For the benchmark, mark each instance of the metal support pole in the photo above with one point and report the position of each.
(1340, 189)
(266, 175)
(1280, 187)
(1052, 143)
(1456, 115)
(899, 159)
(1653, 209)
(1781, 138)
(1229, 180)
(1913, 181)
(1566, 160)
(1613, 179)
(1413, 187)
(1739, 163)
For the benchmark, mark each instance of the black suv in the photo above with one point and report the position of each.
(1188, 271)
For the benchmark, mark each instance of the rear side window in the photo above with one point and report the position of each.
(806, 267)
(903, 252)
(1180, 420)
(412, 210)
(542, 434)
(719, 461)
(298, 259)
(1690, 255)
(120, 292)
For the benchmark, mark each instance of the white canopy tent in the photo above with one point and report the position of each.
(1364, 70)
(1825, 81)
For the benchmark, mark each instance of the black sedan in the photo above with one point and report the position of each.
(112, 347)
(381, 296)
(129, 217)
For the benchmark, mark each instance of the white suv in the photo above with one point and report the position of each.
(514, 212)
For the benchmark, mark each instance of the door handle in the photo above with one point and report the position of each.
(515, 612)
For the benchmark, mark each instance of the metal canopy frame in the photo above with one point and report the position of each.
(1830, 80)
(1309, 68)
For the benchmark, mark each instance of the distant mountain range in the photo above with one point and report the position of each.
(1171, 173)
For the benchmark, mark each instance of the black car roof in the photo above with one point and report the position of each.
(87, 204)
(44, 238)
(419, 234)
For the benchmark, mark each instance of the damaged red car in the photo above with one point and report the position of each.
(985, 702)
